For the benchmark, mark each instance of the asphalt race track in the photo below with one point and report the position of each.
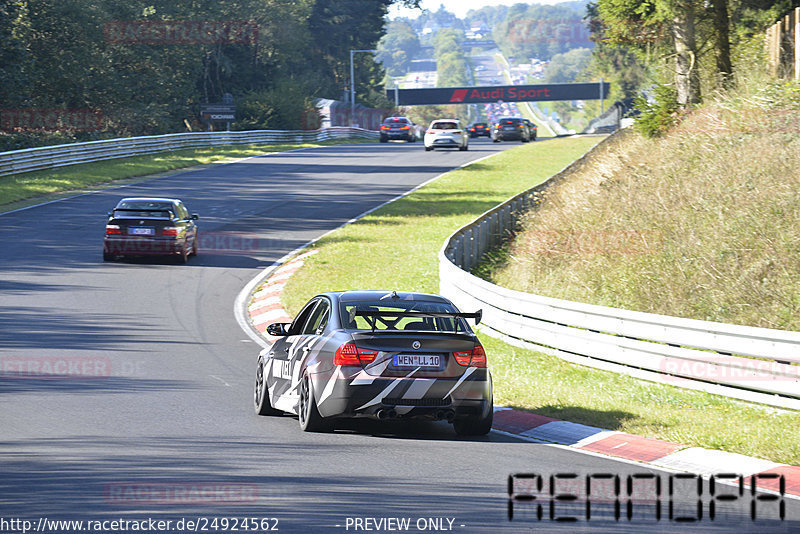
(159, 423)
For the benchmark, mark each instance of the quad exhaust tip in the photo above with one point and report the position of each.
(387, 414)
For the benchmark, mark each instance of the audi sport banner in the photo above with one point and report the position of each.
(493, 93)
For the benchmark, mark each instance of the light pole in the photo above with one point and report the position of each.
(352, 83)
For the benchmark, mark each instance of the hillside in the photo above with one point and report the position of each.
(700, 223)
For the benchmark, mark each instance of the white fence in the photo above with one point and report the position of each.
(32, 159)
(754, 364)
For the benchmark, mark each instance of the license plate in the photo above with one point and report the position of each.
(508, 127)
(424, 361)
(141, 231)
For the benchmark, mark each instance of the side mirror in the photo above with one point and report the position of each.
(278, 329)
(109, 214)
(195, 216)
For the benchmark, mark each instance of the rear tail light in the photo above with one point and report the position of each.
(113, 229)
(457, 132)
(349, 354)
(384, 127)
(405, 127)
(431, 132)
(522, 126)
(471, 358)
(170, 230)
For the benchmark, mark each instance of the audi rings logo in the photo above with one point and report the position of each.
(416, 345)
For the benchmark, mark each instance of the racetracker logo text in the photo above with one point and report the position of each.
(50, 120)
(159, 32)
(139, 493)
(55, 367)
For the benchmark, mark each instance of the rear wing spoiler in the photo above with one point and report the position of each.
(375, 314)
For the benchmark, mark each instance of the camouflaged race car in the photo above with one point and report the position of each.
(378, 355)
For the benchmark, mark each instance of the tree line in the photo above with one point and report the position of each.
(148, 65)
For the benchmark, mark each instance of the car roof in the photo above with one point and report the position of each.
(445, 120)
(355, 296)
(149, 199)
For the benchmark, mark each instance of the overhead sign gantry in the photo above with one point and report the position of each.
(493, 93)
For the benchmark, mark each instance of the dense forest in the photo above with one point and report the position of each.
(146, 66)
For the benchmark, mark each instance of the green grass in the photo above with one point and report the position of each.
(396, 248)
(16, 188)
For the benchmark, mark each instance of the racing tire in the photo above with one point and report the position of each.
(495, 140)
(108, 257)
(428, 148)
(384, 140)
(463, 148)
(307, 412)
(261, 401)
(475, 426)
(194, 246)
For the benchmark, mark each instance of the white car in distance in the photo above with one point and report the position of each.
(446, 133)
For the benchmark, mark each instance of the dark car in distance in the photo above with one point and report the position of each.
(378, 355)
(532, 128)
(480, 129)
(150, 227)
(398, 128)
(511, 129)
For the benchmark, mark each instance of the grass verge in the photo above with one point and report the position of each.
(396, 247)
(15, 189)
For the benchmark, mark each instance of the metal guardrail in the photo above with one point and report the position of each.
(33, 159)
(754, 364)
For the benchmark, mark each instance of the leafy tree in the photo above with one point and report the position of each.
(566, 67)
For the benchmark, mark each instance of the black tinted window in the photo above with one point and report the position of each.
(445, 126)
(347, 313)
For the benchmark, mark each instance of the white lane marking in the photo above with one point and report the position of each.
(221, 380)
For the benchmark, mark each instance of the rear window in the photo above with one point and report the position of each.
(510, 121)
(349, 320)
(396, 121)
(445, 126)
(144, 205)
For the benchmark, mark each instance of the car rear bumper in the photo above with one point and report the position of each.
(397, 135)
(508, 136)
(379, 398)
(443, 142)
(143, 246)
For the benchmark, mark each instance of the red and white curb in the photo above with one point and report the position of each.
(674, 456)
(265, 308)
